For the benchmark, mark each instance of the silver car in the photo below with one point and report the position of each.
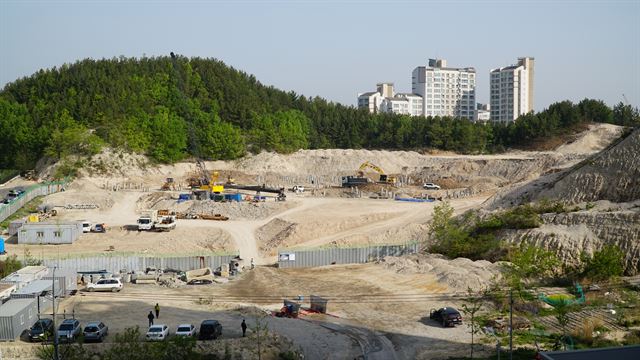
(95, 331)
(69, 330)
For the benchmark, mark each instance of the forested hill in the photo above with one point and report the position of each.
(174, 107)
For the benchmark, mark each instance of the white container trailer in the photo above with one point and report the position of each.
(17, 315)
(49, 233)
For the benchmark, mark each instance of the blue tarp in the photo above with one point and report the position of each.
(414, 200)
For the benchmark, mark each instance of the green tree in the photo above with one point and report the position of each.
(169, 138)
(471, 306)
(626, 115)
(605, 263)
(9, 265)
(529, 262)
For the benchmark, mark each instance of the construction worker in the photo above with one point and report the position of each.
(157, 308)
(244, 328)
(252, 265)
(150, 317)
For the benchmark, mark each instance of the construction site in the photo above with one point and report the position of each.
(329, 242)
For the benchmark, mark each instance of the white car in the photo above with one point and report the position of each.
(186, 330)
(157, 332)
(431, 186)
(86, 226)
(298, 189)
(105, 285)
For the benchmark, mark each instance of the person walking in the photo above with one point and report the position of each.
(157, 308)
(150, 317)
(244, 328)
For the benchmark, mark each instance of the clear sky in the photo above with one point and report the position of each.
(336, 49)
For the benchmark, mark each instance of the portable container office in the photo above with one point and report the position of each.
(2, 246)
(49, 233)
(25, 275)
(6, 290)
(17, 315)
(67, 280)
(14, 226)
(40, 290)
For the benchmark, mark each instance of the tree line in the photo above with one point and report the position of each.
(173, 107)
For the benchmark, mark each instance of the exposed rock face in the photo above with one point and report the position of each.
(612, 174)
(570, 234)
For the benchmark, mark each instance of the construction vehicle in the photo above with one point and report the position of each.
(384, 178)
(353, 181)
(29, 175)
(168, 185)
(150, 220)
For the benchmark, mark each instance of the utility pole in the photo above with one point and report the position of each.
(511, 324)
(56, 354)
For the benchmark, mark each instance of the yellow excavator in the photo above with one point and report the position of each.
(384, 178)
(212, 186)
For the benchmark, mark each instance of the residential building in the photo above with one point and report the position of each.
(385, 99)
(483, 114)
(445, 91)
(512, 90)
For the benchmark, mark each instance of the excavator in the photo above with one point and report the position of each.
(206, 180)
(384, 178)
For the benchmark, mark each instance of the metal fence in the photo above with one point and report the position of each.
(114, 264)
(30, 193)
(321, 257)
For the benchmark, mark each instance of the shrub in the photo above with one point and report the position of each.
(606, 263)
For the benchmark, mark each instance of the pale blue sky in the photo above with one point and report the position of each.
(336, 49)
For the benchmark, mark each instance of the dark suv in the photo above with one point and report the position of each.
(210, 329)
(447, 316)
(69, 330)
(42, 330)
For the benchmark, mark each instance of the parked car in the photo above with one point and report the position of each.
(42, 330)
(99, 228)
(447, 316)
(210, 329)
(186, 330)
(431, 186)
(69, 330)
(86, 226)
(157, 332)
(298, 189)
(95, 331)
(105, 285)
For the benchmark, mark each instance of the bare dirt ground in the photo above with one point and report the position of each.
(381, 308)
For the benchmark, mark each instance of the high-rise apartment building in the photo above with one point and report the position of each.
(512, 90)
(445, 91)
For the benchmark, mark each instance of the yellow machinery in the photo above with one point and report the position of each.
(211, 186)
(384, 178)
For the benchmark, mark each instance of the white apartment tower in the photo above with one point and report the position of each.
(445, 91)
(512, 90)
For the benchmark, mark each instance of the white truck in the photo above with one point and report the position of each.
(150, 220)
